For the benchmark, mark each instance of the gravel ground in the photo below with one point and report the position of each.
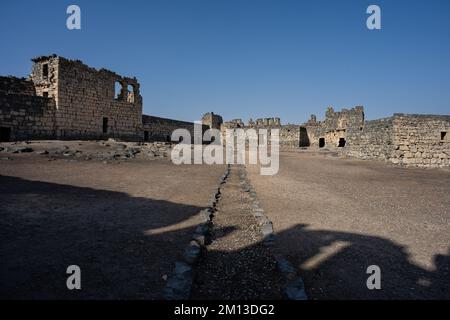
(124, 223)
(334, 217)
(236, 265)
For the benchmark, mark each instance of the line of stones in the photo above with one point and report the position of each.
(294, 288)
(179, 285)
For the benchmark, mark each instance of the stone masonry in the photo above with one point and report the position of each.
(66, 99)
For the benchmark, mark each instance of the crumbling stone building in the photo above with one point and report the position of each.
(290, 135)
(405, 139)
(66, 99)
(212, 121)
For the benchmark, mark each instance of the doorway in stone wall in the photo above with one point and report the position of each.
(321, 142)
(146, 135)
(5, 134)
(341, 143)
(105, 125)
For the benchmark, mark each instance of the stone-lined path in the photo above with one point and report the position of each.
(236, 264)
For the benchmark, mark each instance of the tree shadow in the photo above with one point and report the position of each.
(123, 245)
(334, 266)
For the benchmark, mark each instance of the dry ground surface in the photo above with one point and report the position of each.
(236, 264)
(123, 216)
(334, 217)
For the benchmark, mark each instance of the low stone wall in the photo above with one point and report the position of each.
(160, 129)
(13, 85)
(26, 117)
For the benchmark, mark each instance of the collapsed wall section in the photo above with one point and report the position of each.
(332, 132)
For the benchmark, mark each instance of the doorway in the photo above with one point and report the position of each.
(5, 134)
(105, 125)
(321, 142)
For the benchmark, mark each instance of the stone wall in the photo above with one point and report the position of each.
(290, 134)
(13, 85)
(408, 140)
(44, 75)
(212, 121)
(161, 129)
(268, 122)
(372, 141)
(66, 99)
(88, 106)
(332, 132)
(421, 140)
(26, 117)
(23, 115)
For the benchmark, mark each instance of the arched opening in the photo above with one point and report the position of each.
(130, 93)
(117, 90)
(321, 142)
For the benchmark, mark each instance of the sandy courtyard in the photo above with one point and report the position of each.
(334, 217)
(124, 223)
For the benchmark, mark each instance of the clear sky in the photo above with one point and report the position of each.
(248, 58)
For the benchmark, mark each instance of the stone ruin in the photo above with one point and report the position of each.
(405, 139)
(66, 99)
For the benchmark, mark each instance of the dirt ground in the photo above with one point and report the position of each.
(124, 213)
(335, 217)
(124, 223)
(236, 265)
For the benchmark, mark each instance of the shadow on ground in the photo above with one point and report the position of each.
(334, 264)
(46, 227)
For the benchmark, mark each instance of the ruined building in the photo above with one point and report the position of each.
(212, 121)
(66, 99)
(406, 139)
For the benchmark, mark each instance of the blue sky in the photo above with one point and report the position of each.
(248, 58)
